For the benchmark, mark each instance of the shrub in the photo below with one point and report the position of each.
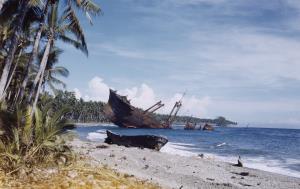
(30, 139)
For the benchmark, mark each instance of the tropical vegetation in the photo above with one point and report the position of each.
(31, 123)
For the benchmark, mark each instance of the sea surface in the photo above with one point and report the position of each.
(269, 149)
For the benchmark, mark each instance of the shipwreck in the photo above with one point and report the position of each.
(120, 112)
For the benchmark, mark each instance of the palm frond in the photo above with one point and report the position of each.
(59, 70)
(85, 6)
(9, 10)
(54, 81)
(73, 26)
(74, 43)
(35, 3)
(88, 6)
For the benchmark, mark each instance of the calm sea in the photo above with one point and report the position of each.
(274, 150)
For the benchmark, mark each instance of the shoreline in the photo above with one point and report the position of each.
(188, 148)
(175, 171)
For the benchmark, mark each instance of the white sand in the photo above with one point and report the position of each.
(174, 171)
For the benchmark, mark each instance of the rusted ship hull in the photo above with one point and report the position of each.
(123, 114)
(140, 141)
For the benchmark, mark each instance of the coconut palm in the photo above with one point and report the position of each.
(63, 28)
(85, 5)
(20, 10)
(52, 71)
(22, 7)
(89, 8)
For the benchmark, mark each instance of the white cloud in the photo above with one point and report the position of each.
(77, 93)
(97, 90)
(143, 96)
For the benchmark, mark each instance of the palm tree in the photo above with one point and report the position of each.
(52, 71)
(85, 5)
(35, 50)
(63, 28)
(23, 7)
(20, 9)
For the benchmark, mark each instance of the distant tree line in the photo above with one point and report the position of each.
(92, 111)
(219, 121)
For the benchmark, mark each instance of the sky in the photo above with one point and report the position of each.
(235, 58)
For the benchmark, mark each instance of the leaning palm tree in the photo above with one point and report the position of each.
(63, 28)
(53, 72)
(87, 6)
(22, 7)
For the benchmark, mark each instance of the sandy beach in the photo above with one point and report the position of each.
(174, 171)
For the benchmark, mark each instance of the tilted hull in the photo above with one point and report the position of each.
(123, 114)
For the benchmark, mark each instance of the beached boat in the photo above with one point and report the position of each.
(123, 114)
(140, 141)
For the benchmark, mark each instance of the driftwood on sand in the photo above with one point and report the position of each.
(141, 141)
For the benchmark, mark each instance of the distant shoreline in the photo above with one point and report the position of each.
(93, 124)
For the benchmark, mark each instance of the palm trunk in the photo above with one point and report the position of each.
(13, 71)
(22, 9)
(34, 53)
(42, 71)
(36, 80)
(31, 59)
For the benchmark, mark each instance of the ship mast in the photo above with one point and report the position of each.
(155, 107)
(173, 113)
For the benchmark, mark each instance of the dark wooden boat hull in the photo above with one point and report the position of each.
(140, 141)
(123, 114)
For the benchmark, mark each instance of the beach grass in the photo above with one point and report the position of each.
(78, 175)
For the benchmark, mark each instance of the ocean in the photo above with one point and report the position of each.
(269, 149)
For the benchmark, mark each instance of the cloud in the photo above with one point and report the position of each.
(144, 96)
(77, 93)
(97, 90)
(191, 105)
(239, 58)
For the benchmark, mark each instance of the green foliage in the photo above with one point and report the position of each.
(80, 111)
(27, 135)
(36, 140)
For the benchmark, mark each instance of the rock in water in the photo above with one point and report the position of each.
(141, 141)
(208, 127)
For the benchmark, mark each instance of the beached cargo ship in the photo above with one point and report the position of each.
(123, 114)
